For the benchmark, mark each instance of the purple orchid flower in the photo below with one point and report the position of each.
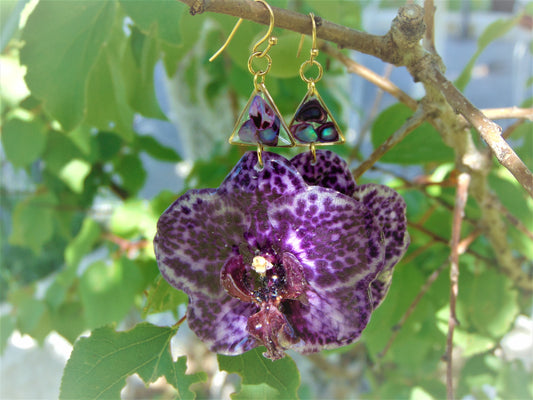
(291, 255)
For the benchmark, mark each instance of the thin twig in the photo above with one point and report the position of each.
(421, 250)
(429, 19)
(381, 82)
(467, 241)
(423, 290)
(373, 112)
(463, 181)
(440, 239)
(508, 113)
(518, 224)
(410, 125)
(513, 127)
(130, 247)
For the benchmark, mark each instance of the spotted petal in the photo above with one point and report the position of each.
(388, 208)
(277, 177)
(338, 242)
(328, 171)
(195, 235)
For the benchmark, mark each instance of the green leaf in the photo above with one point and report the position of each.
(60, 149)
(406, 283)
(68, 320)
(33, 221)
(471, 343)
(82, 244)
(163, 297)
(32, 316)
(491, 315)
(423, 145)
(162, 201)
(155, 149)
(191, 28)
(7, 326)
(108, 145)
(62, 42)
(107, 94)
(346, 13)
(131, 170)
(286, 64)
(181, 381)
(132, 218)
(140, 57)
(524, 151)
(515, 382)
(23, 141)
(163, 15)
(511, 194)
(498, 28)
(78, 248)
(99, 365)
(261, 391)
(282, 375)
(477, 372)
(74, 174)
(108, 290)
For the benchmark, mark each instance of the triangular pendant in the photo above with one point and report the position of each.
(313, 123)
(261, 123)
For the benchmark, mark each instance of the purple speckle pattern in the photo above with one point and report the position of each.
(325, 246)
(328, 171)
(389, 209)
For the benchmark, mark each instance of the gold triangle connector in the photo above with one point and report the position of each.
(261, 123)
(313, 123)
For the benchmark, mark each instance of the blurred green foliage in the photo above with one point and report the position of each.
(76, 234)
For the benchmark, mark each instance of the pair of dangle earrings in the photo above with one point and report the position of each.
(260, 123)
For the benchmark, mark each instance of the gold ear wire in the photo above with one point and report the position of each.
(228, 40)
(271, 39)
(313, 54)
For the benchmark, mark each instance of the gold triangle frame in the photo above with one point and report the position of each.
(312, 93)
(284, 138)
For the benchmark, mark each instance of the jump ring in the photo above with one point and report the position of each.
(257, 54)
(311, 63)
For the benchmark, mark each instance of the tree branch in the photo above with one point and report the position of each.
(407, 28)
(488, 130)
(290, 20)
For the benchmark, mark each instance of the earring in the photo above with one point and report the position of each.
(313, 123)
(260, 122)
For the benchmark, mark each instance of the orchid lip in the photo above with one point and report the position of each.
(267, 282)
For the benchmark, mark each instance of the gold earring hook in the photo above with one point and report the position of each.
(313, 33)
(313, 36)
(312, 56)
(271, 39)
